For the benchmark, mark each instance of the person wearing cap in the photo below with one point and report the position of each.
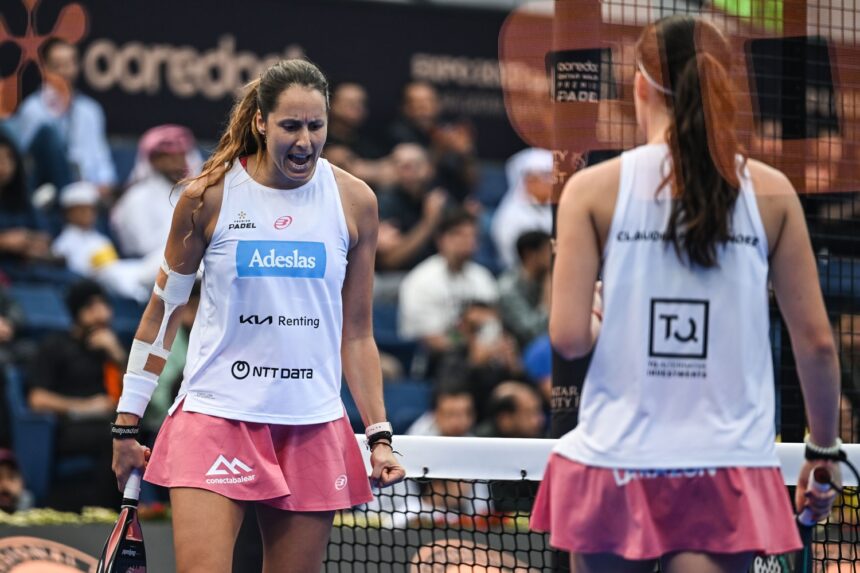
(13, 495)
(141, 218)
(91, 254)
(69, 377)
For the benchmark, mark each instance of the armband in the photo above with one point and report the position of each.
(136, 393)
(834, 453)
(124, 432)
(378, 432)
(380, 427)
(140, 381)
(176, 291)
(177, 287)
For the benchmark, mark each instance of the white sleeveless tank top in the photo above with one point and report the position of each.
(682, 375)
(265, 346)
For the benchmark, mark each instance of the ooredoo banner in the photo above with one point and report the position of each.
(158, 61)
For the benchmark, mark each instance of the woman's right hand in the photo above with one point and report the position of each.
(820, 502)
(128, 455)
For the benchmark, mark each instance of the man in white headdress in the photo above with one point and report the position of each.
(141, 218)
(526, 206)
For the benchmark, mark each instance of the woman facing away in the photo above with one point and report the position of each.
(674, 456)
(288, 244)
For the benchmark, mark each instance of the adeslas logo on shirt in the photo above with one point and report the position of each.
(297, 259)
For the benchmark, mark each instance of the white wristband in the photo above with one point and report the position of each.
(376, 428)
(136, 393)
(830, 451)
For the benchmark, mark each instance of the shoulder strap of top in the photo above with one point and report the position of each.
(747, 196)
(625, 190)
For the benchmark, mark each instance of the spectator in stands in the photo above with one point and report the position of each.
(537, 362)
(526, 205)
(452, 413)
(76, 375)
(13, 495)
(91, 254)
(419, 117)
(451, 141)
(514, 410)
(410, 212)
(455, 156)
(345, 120)
(766, 140)
(21, 234)
(141, 218)
(524, 290)
(481, 354)
(76, 118)
(433, 293)
(13, 349)
(823, 156)
(848, 334)
(11, 320)
(347, 146)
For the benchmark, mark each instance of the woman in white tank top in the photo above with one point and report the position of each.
(673, 458)
(288, 242)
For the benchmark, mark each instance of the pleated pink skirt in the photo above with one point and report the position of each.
(645, 514)
(316, 467)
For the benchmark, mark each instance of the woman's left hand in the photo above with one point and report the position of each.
(386, 470)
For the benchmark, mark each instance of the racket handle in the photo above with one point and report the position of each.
(819, 480)
(132, 486)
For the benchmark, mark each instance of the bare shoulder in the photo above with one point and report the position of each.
(595, 182)
(769, 181)
(776, 199)
(358, 198)
(202, 203)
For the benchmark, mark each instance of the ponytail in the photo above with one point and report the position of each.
(239, 139)
(702, 138)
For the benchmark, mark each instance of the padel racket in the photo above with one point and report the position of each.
(124, 551)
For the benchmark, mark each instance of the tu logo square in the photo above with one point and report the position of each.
(679, 328)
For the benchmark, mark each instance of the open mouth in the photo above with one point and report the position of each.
(299, 162)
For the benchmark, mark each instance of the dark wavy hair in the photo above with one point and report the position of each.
(691, 59)
(15, 196)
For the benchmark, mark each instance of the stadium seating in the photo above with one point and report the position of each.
(405, 401)
(33, 441)
(43, 306)
(32, 437)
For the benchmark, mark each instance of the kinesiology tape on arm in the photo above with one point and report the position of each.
(140, 380)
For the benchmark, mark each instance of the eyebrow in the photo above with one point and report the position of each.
(297, 119)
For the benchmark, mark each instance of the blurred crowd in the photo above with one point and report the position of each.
(462, 287)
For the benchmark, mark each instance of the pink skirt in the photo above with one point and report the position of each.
(644, 514)
(316, 467)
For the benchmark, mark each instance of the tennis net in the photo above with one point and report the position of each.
(466, 503)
